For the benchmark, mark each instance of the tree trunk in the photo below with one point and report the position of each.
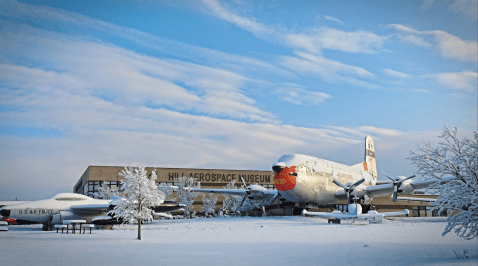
(139, 228)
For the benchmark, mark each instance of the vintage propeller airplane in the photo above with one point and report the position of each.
(71, 206)
(305, 180)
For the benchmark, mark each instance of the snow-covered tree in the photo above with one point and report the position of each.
(140, 194)
(209, 203)
(249, 205)
(230, 204)
(185, 195)
(105, 192)
(454, 164)
(168, 192)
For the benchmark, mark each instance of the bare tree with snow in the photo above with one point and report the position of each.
(168, 192)
(140, 194)
(454, 164)
(230, 204)
(209, 203)
(185, 195)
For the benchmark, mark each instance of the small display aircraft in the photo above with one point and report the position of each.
(354, 212)
(69, 206)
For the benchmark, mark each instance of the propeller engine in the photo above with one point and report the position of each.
(248, 192)
(349, 187)
(397, 182)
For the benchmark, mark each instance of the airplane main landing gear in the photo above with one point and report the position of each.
(47, 227)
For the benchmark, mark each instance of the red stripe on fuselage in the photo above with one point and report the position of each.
(284, 181)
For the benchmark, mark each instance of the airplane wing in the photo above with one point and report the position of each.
(90, 208)
(341, 216)
(330, 215)
(375, 214)
(384, 189)
(422, 200)
(239, 192)
(162, 214)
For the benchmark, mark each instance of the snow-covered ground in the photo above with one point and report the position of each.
(243, 241)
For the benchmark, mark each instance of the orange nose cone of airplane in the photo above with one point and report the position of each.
(284, 181)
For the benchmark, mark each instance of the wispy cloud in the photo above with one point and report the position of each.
(449, 45)
(300, 96)
(468, 8)
(308, 46)
(330, 18)
(87, 68)
(396, 74)
(250, 24)
(465, 81)
(332, 39)
(329, 70)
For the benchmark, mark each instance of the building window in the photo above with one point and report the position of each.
(424, 211)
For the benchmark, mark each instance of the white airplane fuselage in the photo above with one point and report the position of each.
(41, 211)
(307, 179)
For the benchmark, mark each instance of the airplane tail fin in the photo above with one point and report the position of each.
(370, 157)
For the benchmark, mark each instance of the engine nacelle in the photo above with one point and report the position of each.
(65, 215)
(367, 200)
(406, 185)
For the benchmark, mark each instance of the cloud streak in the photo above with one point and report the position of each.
(449, 45)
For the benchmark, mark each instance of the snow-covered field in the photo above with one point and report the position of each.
(243, 241)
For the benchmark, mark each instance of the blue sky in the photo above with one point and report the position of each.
(226, 84)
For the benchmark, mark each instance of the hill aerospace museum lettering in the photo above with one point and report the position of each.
(223, 178)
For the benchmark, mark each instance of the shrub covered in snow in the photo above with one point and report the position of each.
(185, 195)
(454, 164)
(209, 204)
(230, 205)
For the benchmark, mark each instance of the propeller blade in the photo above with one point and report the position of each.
(395, 196)
(409, 177)
(244, 182)
(243, 199)
(358, 183)
(335, 181)
(389, 177)
(272, 200)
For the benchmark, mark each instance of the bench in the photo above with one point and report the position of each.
(62, 226)
(84, 226)
(3, 226)
(73, 224)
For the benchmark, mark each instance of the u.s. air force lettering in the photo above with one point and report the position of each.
(222, 178)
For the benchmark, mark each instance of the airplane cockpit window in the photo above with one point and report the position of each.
(69, 199)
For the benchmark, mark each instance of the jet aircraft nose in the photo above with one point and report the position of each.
(286, 178)
(5, 212)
